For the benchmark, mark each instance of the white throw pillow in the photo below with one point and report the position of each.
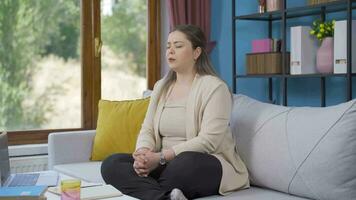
(305, 151)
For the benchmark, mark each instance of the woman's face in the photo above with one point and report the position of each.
(180, 54)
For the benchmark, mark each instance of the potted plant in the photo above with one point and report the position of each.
(324, 32)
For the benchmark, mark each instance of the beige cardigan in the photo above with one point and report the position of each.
(208, 113)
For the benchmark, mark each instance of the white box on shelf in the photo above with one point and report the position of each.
(303, 51)
(340, 47)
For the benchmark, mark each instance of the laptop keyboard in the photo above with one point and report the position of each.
(24, 180)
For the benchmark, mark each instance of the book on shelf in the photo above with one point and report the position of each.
(266, 45)
(303, 51)
(23, 193)
(262, 45)
(340, 47)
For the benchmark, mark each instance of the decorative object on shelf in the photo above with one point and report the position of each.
(273, 5)
(322, 29)
(266, 45)
(277, 45)
(340, 47)
(315, 2)
(265, 63)
(303, 50)
(324, 32)
(325, 56)
(262, 45)
(261, 6)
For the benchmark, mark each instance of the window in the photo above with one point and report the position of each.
(40, 79)
(123, 58)
(50, 65)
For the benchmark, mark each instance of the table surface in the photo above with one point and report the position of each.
(52, 196)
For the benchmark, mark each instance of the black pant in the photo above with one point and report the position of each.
(196, 174)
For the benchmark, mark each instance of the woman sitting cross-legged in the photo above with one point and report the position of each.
(185, 148)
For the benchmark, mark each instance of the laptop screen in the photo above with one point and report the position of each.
(4, 158)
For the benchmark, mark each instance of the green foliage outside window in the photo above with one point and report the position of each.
(125, 32)
(29, 30)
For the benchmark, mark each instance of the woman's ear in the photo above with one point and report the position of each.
(197, 52)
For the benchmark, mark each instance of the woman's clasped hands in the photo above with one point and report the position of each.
(146, 160)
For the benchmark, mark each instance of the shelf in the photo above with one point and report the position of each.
(292, 76)
(301, 11)
(260, 76)
(275, 15)
(330, 7)
(282, 16)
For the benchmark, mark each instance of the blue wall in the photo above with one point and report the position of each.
(301, 91)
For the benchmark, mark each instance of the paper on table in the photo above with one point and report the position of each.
(99, 192)
(92, 192)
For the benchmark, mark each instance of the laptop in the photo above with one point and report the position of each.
(47, 178)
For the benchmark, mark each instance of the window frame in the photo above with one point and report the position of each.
(91, 68)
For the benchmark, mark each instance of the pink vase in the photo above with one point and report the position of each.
(325, 56)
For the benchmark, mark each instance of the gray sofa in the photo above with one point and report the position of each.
(291, 153)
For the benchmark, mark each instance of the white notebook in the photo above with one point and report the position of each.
(93, 192)
(99, 192)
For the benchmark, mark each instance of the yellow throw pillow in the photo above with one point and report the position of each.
(119, 123)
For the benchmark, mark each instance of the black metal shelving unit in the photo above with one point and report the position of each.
(283, 15)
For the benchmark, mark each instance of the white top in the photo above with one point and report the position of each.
(172, 123)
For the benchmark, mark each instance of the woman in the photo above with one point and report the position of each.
(185, 147)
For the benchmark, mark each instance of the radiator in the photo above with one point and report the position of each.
(28, 164)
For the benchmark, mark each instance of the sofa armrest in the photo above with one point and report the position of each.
(69, 147)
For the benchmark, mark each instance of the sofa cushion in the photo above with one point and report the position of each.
(119, 123)
(305, 151)
(87, 171)
(254, 193)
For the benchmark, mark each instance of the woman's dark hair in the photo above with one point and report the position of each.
(203, 64)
